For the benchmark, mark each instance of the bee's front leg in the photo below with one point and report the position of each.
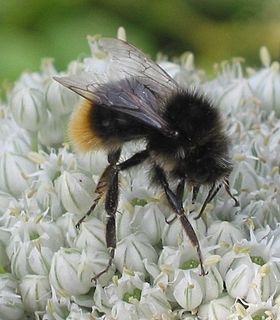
(175, 201)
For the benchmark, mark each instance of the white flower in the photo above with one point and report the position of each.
(250, 272)
(237, 95)
(91, 264)
(32, 246)
(123, 310)
(188, 289)
(48, 200)
(77, 313)
(11, 306)
(224, 234)
(29, 80)
(94, 162)
(13, 138)
(216, 309)
(99, 61)
(60, 100)
(244, 178)
(132, 250)
(149, 220)
(67, 224)
(153, 302)
(173, 234)
(127, 290)
(263, 212)
(262, 310)
(54, 163)
(5, 200)
(15, 173)
(91, 236)
(35, 291)
(266, 85)
(213, 283)
(28, 108)
(76, 191)
(57, 307)
(182, 258)
(65, 275)
(53, 131)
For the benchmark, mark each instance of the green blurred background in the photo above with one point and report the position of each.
(213, 29)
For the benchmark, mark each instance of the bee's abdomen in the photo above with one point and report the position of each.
(95, 127)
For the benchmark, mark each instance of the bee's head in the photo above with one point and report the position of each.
(208, 163)
(192, 116)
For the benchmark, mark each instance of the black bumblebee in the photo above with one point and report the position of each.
(134, 98)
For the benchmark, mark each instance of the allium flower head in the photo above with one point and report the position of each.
(48, 265)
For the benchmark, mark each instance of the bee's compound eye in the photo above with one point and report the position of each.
(174, 134)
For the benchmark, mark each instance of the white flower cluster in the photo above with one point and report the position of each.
(46, 263)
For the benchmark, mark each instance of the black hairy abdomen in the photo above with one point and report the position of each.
(114, 126)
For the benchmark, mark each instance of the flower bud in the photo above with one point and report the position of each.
(53, 132)
(238, 280)
(65, 273)
(173, 234)
(150, 220)
(31, 248)
(234, 96)
(266, 85)
(244, 177)
(76, 191)
(91, 236)
(14, 171)
(48, 199)
(93, 162)
(92, 263)
(5, 199)
(132, 250)
(60, 100)
(67, 224)
(124, 310)
(155, 300)
(35, 291)
(224, 234)
(216, 309)
(214, 285)
(11, 307)
(28, 108)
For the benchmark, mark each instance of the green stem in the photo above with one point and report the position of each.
(34, 140)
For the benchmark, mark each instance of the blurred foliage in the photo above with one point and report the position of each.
(214, 30)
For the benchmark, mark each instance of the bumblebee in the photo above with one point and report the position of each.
(136, 99)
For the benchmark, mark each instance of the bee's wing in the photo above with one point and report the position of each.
(128, 61)
(131, 83)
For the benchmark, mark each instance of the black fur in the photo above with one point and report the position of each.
(200, 150)
(115, 126)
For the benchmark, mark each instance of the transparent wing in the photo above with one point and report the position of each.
(128, 61)
(128, 81)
